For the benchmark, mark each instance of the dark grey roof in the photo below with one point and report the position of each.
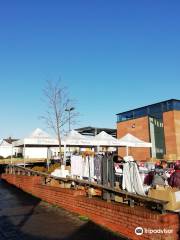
(95, 130)
(170, 100)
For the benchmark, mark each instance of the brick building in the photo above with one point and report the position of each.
(158, 123)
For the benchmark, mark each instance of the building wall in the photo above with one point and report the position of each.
(177, 131)
(169, 133)
(139, 128)
(171, 121)
(5, 151)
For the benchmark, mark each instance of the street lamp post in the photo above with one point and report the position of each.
(69, 112)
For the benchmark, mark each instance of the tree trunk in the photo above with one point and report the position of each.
(59, 141)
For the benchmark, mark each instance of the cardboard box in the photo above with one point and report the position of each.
(118, 199)
(54, 183)
(172, 195)
(94, 192)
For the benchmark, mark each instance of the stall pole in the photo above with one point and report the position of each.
(64, 161)
(11, 154)
(48, 158)
(24, 155)
(127, 151)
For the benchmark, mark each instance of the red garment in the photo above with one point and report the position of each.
(149, 178)
(174, 180)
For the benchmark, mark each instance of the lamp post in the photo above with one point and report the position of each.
(69, 112)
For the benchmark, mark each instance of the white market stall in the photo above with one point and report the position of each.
(83, 168)
(37, 145)
(105, 139)
(75, 139)
(102, 139)
(131, 141)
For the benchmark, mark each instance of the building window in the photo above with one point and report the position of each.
(141, 112)
(125, 116)
(176, 105)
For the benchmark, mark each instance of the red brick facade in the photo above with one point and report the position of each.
(115, 216)
(139, 128)
(171, 121)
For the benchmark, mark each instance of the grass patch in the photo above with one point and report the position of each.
(83, 218)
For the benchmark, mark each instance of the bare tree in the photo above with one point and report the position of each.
(58, 102)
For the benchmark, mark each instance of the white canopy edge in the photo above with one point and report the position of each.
(36, 141)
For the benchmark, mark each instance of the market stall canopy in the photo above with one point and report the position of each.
(105, 139)
(102, 139)
(131, 141)
(76, 139)
(37, 138)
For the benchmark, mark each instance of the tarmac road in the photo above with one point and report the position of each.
(23, 217)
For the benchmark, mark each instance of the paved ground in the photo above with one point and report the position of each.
(23, 217)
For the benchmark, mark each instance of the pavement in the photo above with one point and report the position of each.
(24, 217)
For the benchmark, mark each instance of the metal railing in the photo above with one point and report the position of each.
(129, 198)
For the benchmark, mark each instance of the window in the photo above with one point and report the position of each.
(140, 112)
(176, 105)
(169, 105)
(155, 111)
(125, 116)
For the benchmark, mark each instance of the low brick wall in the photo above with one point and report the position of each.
(116, 216)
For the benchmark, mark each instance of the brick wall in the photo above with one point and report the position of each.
(116, 216)
(140, 129)
(169, 132)
(177, 131)
(171, 121)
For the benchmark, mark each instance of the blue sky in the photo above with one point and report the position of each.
(112, 55)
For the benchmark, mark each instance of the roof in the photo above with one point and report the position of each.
(4, 143)
(169, 100)
(92, 131)
(37, 138)
(10, 140)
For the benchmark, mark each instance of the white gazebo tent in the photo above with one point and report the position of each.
(73, 138)
(76, 139)
(131, 141)
(105, 139)
(102, 139)
(36, 145)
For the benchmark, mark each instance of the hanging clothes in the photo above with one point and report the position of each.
(98, 167)
(108, 170)
(82, 166)
(88, 167)
(131, 178)
(76, 165)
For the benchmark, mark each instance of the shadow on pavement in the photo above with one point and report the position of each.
(23, 217)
